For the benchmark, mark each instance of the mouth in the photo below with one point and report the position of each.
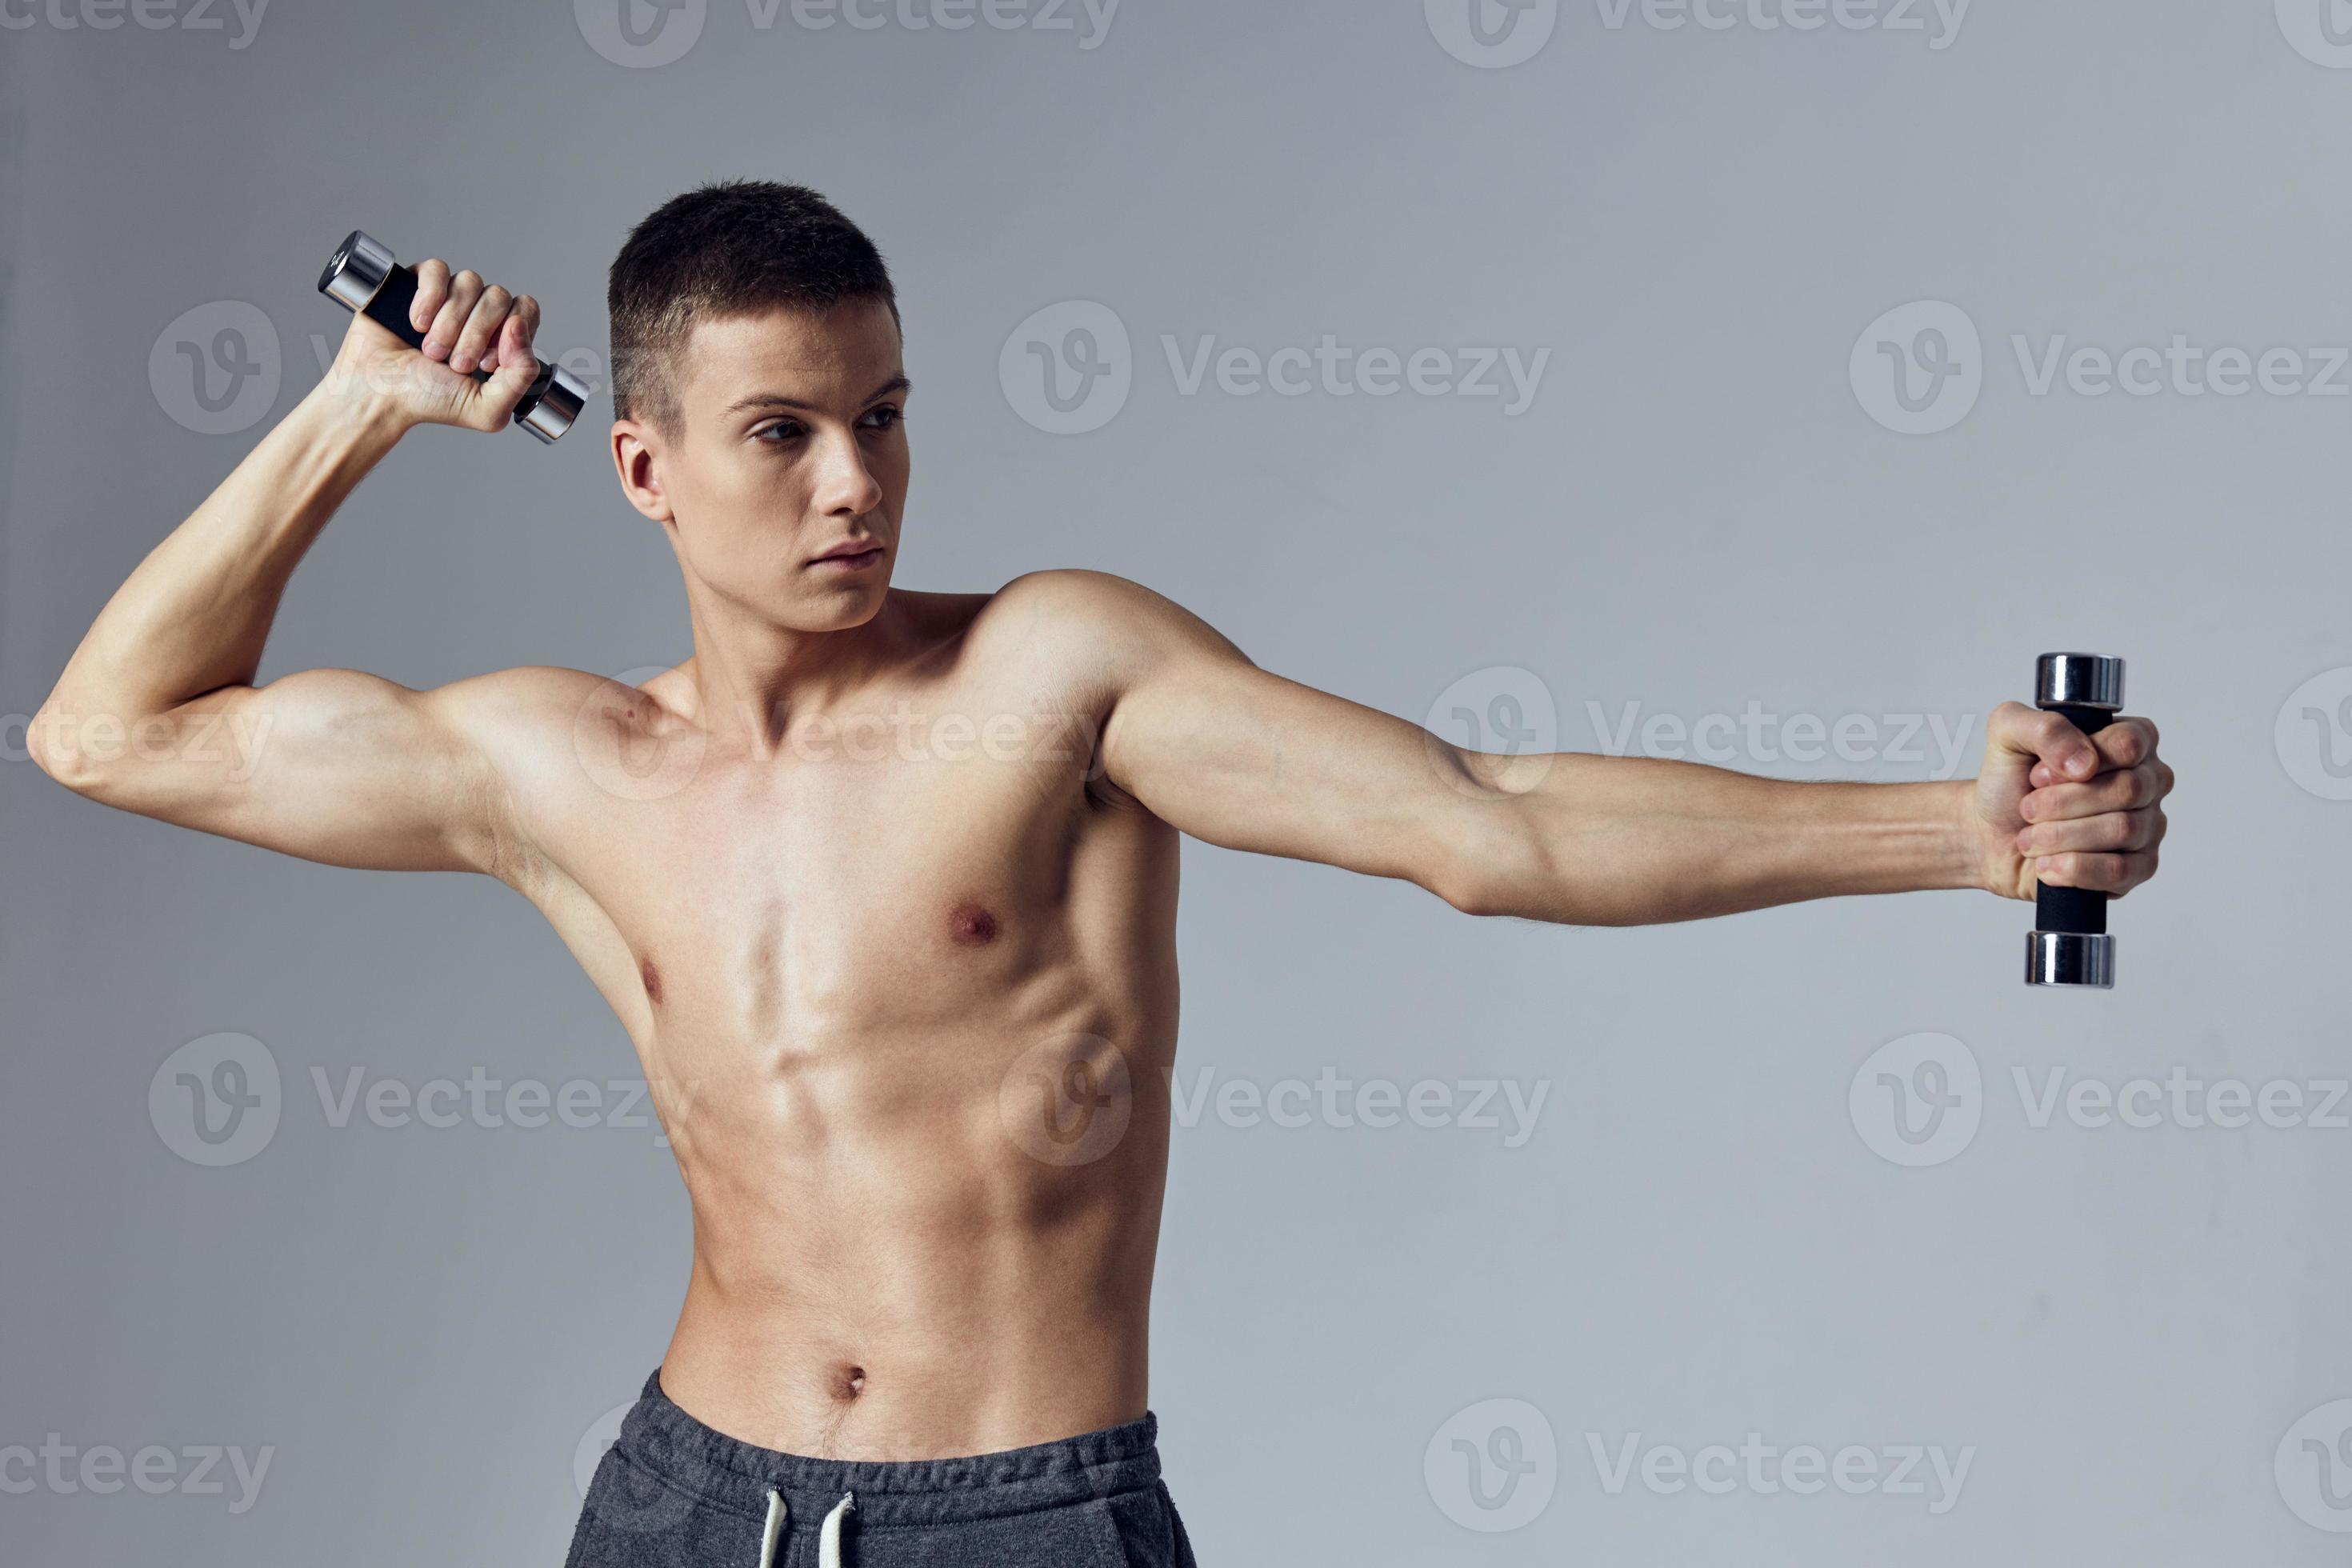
(848, 558)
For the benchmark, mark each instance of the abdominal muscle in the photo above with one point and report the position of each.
(882, 1271)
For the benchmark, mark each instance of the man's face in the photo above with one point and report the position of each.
(793, 445)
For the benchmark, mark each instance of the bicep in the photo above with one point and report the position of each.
(1248, 759)
(331, 765)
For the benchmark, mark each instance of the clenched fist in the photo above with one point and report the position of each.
(468, 325)
(2055, 806)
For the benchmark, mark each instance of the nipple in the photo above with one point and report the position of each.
(971, 925)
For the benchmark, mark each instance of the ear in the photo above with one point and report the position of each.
(637, 452)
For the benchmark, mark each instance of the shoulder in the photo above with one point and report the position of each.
(1098, 618)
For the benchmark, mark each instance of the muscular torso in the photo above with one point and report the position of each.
(903, 983)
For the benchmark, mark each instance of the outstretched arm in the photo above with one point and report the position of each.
(1242, 758)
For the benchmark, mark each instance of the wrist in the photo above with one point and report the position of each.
(349, 404)
(1964, 831)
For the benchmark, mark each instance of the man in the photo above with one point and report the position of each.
(883, 883)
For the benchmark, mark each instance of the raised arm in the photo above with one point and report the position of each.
(1242, 758)
(156, 712)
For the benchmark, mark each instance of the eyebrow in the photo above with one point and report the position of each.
(766, 400)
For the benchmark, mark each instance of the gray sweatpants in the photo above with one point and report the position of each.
(674, 1493)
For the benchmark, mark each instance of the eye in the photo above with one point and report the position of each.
(784, 430)
(890, 415)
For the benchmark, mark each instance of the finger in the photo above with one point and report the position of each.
(2122, 791)
(432, 288)
(481, 328)
(2028, 736)
(451, 319)
(517, 369)
(525, 312)
(2116, 874)
(2105, 834)
(2125, 744)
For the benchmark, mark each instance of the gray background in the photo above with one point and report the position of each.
(1696, 513)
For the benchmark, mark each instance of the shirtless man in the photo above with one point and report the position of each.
(882, 883)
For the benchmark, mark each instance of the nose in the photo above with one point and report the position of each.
(845, 487)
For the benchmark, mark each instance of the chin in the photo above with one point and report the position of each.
(848, 605)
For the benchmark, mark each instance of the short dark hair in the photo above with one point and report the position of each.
(727, 248)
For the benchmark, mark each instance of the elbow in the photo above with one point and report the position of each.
(1472, 898)
(1490, 869)
(50, 743)
(40, 744)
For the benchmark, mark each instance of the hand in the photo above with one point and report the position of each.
(2055, 806)
(467, 325)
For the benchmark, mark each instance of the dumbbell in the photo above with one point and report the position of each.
(364, 276)
(2069, 944)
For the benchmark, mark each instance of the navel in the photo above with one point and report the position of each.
(971, 925)
(848, 1383)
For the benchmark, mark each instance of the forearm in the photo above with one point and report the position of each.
(195, 614)
(1602, 840)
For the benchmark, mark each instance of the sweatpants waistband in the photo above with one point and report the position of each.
(660, 1436)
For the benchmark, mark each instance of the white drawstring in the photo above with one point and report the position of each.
(828, 1539)
(828, 1543)
(776, 1514)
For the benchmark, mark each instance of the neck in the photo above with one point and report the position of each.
(755, 679)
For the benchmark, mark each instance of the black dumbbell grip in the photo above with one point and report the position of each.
(2073, 908)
